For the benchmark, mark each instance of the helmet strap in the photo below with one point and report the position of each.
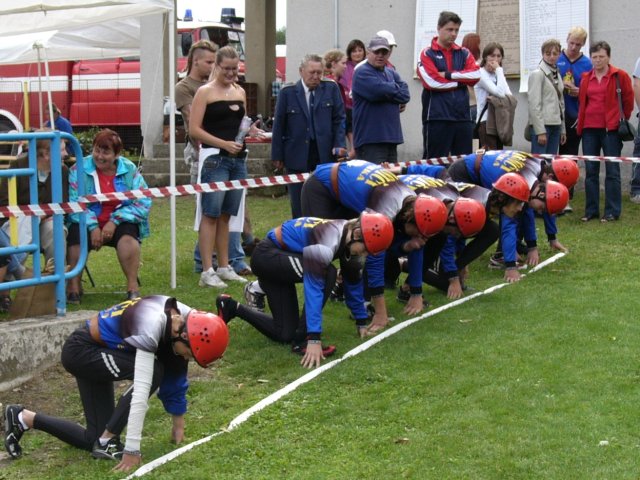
(179, 338)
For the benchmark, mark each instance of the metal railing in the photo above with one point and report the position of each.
(59, 276)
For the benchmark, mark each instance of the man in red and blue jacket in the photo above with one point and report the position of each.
(446, 70)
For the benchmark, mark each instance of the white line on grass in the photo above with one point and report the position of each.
(274, 397)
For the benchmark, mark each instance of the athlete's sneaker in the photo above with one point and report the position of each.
(337, 292)
(496, 262)
(226, 306)
(13, 430)
(404, 296)
(227, 273)
(301, 349)
(111, 451)
(210, 279)
(253, 297)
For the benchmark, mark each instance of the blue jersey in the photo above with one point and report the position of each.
(496, 163)
(362, 185)
(423, 169)
(572, 72)
(142, 323)
(319, 241)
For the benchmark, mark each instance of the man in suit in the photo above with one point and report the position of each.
(309, 125)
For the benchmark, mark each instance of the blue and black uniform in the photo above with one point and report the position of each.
(104, 351)
(445, 255)
(302, 251)
(344, 190)
(492, 166)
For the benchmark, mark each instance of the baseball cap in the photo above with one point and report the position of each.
(379, 43)
(389, 36)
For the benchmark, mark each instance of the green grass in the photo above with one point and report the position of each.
(522, 383)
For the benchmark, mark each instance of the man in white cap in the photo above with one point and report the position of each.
(379, 95)
(389, 36)
(392, 43)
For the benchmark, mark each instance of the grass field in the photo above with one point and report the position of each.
(537, 380)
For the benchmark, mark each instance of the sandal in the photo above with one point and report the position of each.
(245, 271)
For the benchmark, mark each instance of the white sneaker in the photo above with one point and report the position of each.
(228, 274)
(210, 279)
(254, 296)
(635, 198)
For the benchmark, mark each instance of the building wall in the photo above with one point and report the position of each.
(311, 28)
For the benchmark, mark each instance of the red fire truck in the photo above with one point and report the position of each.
(104, 93)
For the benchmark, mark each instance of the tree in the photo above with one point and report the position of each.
(281, 36)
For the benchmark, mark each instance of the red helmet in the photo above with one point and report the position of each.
(431, 215)
(377, 231)
(513, 185)
(566, 171)
(470, 216)
(208, 336)
(557, 196)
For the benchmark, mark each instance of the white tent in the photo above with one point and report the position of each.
(81, 30)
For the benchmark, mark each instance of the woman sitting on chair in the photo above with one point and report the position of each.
(118, 224)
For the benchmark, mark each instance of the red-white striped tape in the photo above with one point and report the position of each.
(159, 192)
(180, 190)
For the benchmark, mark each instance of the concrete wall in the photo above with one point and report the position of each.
(312, 28)
(29, 345)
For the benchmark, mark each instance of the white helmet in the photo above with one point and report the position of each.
(389, 36)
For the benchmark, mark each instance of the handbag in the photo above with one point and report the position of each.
(476, 128)
(626, 131)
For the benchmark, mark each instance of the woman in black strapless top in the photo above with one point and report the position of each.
(216, 114)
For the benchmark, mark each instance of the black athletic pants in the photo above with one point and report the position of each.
(95, 368)
(278, 272)
(317, 201)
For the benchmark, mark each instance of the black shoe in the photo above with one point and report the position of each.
(13, 430)
(337, 293)
(404, 295)
(131, 294)
(608, 218)
(227, 307)
(111, 451)
(73, 298)
(301, 349)
(5, 303)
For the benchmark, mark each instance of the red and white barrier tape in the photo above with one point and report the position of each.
(159, 192)
(180, 190)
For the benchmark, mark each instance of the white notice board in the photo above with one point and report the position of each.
(427, 13)
(541, 20)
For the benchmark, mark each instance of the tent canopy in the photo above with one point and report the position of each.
(73, 29)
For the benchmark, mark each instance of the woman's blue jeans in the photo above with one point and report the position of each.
(597, 141)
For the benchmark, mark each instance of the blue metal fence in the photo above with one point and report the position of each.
(59, 277)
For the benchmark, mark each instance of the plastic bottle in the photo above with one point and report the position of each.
(243, 131)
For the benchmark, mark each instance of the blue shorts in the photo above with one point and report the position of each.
(220, 168)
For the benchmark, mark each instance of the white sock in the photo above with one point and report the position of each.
(103, 441)
(257, 288)
(21, 420)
